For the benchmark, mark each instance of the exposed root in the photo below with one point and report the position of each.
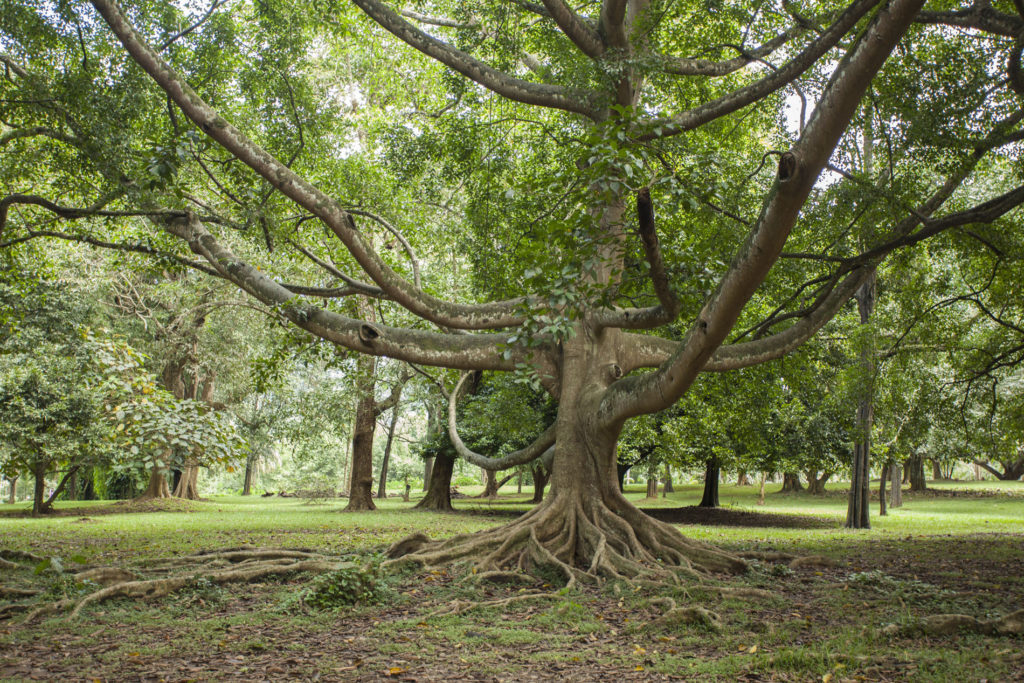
(581, 541)
(951, 624)
(105, 576)
(767, 556)
(813, 561)
(739, 592)
(678, 616)
(7, 564)
(500, 577)
(246, 565)
(462, 606)
(7, 592)
(20, 555)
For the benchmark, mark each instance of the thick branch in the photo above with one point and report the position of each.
(522, 456)
(980, 16)
(668, 309)
(465, 351)
(798, 171)
(585, 38)
(540, 94)
(777, 80)
(305, 194)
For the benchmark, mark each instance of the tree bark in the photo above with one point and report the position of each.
(157, 488)
(858, 510)
(73, 485)
(382, 484)
(712, 472)
(791, 483)
(439, 490)
(895, 488)
(652, 485)
(760, 495)
(12, 495)
(667, 487)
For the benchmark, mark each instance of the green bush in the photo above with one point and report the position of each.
(345, 586)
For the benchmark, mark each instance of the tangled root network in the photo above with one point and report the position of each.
(582, 542)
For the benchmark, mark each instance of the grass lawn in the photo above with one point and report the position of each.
(958, 549)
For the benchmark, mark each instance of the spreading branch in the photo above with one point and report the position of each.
(541, 445)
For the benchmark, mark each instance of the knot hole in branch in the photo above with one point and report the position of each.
(368, 333)
(788, 164)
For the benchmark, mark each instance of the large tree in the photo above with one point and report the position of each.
(618, 315)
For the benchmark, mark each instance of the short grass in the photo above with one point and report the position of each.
(960, 549)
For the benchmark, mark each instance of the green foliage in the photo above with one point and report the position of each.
(348, 585)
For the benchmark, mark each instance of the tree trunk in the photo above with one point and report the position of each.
(158, 487)
(936, 471)
(187, 487)
(652, 485)
(760, 495)
(490, 485)
(439, 490)
(915, 472)
(816, 484)
(881, 490)
(712, 471)
(73, 485)
(858, 511)
(360, 493)
(12, 495)
(742, 479)
(428, 466)
(667, 484)
(540, 480)
(39, 490)
(791, 483)
(895, 488)
(247, 480)
(47, 505)
(382, 484)
(519, 483)
(621, 471)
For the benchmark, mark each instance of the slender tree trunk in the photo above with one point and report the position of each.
(39, 490)
(540, 481)
(247, 480)
(73, 484)
(858, 511)
(490, 485)
(652, 485)
(936, 471)
(382, 484)
(791, 483)
(881, 489)
(12, 495)
(439, 490)
(895, 488)
(360, 493)
(712, 474)
(760, 497)
(519, 483)
(667, 487)
(428, 466)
